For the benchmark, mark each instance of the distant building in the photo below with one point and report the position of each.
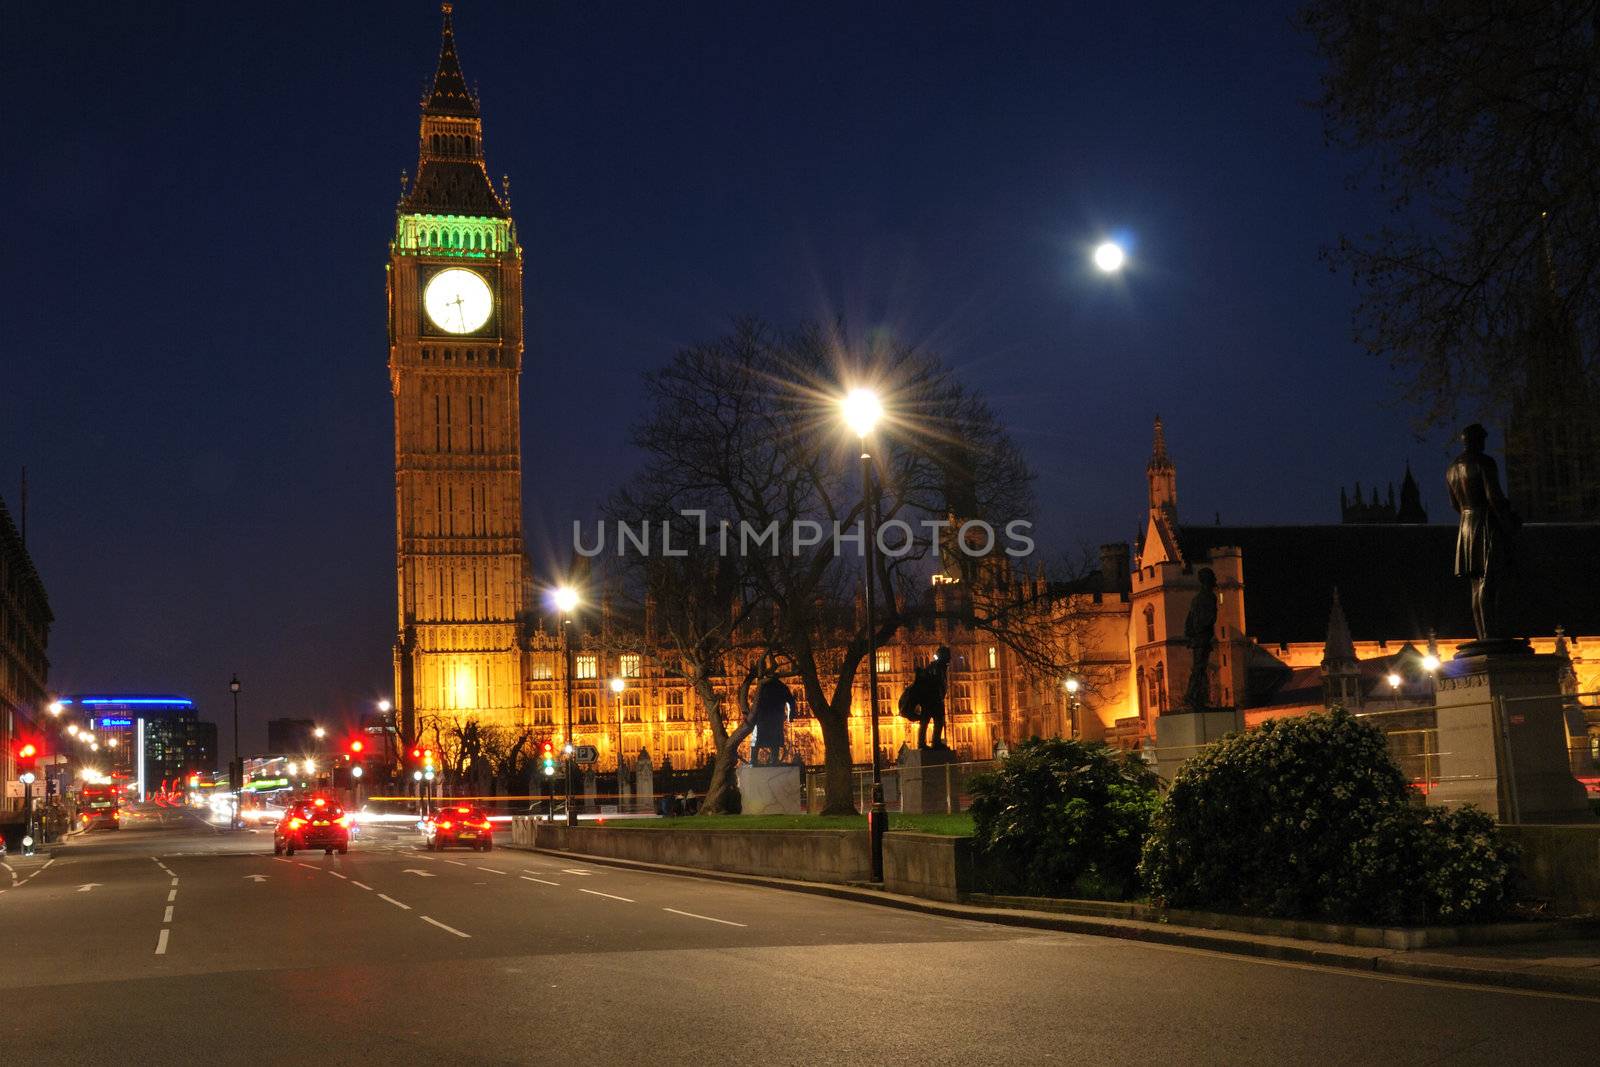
(1357, 510)
(155, 739)
(24, 631)
(290, 737)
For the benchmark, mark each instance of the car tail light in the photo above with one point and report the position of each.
(484, 824)
(445, 825)
(344, 821)
(295, 824)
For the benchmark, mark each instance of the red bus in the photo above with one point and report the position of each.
(100, 805)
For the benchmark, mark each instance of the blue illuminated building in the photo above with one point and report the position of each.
(160, 739)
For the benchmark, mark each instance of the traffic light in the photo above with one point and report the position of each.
(356, 747)
(27, 757)
(547, 759)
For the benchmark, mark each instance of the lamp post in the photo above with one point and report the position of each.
(617, 686)
(861, 413)
(1072, 685)
(566, 599)
(237, 777)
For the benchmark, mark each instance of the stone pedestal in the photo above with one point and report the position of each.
(770, 789)
(927, 781)
(1181, 735)
(644, 782)
(1501, 740)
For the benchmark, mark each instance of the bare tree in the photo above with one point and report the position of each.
(747, 430)
(1481, 126)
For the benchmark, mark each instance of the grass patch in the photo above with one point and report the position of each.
(954, 825)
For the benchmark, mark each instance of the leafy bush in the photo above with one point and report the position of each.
(1062, 818)
(1310, 817)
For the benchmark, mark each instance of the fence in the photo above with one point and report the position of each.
(956, 779)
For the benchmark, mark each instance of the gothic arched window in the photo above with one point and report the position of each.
(1149, 624)
(1138, 689)
(1161, 688)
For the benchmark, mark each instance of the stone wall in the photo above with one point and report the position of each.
(838, 856)
(936, 866)
(1560, 864)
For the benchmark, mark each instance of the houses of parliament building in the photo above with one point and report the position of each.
(1310, 615)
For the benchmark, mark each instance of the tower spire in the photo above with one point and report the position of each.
(450, 95)
(1163, 477)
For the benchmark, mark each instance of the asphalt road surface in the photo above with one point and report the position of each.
(172, 942)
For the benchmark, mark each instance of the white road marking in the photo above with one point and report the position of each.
(363, 885)
(458, 863)
(174, 880)
(530, 878)
(419, 874)
(574, 870)
(168, 916)
(172, 894)
(396, 903)
(613, 896)
(309, 866)
(707, 918)
(336, 874)
(256, 878)
(161, 942)
(88, 886)
(442, 926)
(280, 859)
(492, 870)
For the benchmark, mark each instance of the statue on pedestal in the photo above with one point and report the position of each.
(774, 706)
(1200, 632)
(1485, 536)
(922, 702)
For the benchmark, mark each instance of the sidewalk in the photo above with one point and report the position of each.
(1569, 966)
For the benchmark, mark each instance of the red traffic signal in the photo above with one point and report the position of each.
(27, 757)
(357, 746)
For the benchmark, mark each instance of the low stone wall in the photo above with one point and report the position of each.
(839, 856)
(935, 866)
(1561, 865)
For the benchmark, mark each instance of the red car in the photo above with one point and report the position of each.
(458, 826)
(317, 823)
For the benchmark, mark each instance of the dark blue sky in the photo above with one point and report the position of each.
(200, 200)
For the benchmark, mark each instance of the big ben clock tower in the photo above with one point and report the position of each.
(455, 357)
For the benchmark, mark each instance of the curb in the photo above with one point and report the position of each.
(1260, 946)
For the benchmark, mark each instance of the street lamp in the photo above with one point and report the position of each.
(319, 733)
(236, 774)
(566, 601)
(384, 706)
(55, 707)
(617, 686)
(862, 410)
(1072, 685)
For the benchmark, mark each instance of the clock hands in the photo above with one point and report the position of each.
(461, 313)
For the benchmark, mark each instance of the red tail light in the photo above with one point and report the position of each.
(295, 824)
(484, 824)
(446, 824)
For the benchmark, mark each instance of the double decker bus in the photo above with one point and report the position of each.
(100, 806)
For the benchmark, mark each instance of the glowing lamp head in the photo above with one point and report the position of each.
(319, 733)
(55, 707)
(1109, 257)
(566, 598)
(384, 706)
(72, 729)
(862, 411)
(1073, 685)
(1393, 679)
(617, 685)
(1430, 663)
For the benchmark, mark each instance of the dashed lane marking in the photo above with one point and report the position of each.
(161, 942)
(707, 918)
(309, 866)
(574, 870)
(336, 874)
(396, 903)
(361, 885)
(492, 870)
(172, 894)
(613, 896)
(458, 863)
(442, 926)
(168, 916)
(542, 881)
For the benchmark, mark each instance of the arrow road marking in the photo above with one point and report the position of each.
(419, 874)
(257, 878)
(85, 887)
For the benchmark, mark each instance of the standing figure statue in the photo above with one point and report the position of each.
(1200, 633)
(1484, 537)
(774, 706)
(922, 702)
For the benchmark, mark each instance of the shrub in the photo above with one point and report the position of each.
(1062, 818)
(1310, 817)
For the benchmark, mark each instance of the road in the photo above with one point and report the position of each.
(177, 942)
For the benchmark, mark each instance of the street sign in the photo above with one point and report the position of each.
(585, 753)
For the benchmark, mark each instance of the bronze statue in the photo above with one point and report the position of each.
(922, 702)
(774, 707)
(1484, 537)
(1200, 632)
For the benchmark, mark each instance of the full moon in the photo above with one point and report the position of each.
(1109, 257)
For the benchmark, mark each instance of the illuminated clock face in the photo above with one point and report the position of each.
(457, 301)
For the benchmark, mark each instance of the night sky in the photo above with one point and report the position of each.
(199, 201)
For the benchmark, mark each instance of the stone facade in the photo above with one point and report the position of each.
(24, 633)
